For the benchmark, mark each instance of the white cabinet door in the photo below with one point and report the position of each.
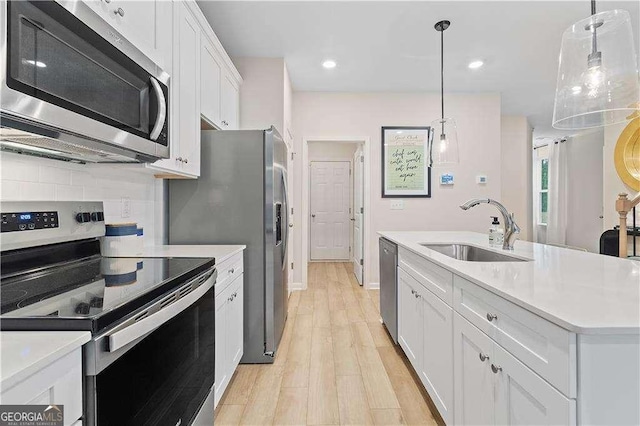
(230, 97)
(210, 74)
(234, 328)
(221, 349)
(185, 97)
(437, 355)
(524, 398)
(146, 24)
(188, 96)
(410, 326)
(474, 381)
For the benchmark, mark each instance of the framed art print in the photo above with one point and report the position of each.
(405, 171)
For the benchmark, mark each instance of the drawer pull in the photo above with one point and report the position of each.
(491, 317)
(232, 270)
(495, 368)
(483, 357)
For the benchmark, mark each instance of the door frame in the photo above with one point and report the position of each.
(333, 160)
(366, 143)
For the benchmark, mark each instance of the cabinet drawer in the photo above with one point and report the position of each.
(227, 271)
(59, 383)
(544, 347)
(435, 278)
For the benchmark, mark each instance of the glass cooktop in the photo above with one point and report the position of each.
(90, 294)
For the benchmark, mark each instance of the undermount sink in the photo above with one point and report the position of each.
(471, 253)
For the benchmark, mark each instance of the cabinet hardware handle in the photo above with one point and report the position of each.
(386, 251)
(224, 123)
(232, 270)
(107, 1)
(491, 317)
(186, 160)
(119, 11)
(179, 159)
(495, 368)
(417, 295)
(291, 225)
(483, 357)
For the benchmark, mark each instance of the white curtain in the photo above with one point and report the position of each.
(557, 215)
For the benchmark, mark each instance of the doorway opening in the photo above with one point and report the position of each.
(334, 205)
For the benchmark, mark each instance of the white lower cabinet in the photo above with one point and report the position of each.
(409, 319)
(425, 332)
(229, 332)
(493, 387)
(499, 371)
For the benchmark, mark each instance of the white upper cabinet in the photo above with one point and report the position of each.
(146, 24)
(229, 104)
(210, 80)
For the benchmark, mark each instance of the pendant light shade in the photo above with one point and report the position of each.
(443, 141)
(598, 73)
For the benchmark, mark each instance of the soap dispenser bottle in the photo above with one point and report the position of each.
(494, 231)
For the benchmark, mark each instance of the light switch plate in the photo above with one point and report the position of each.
(397, 205)
(126, 206)
(481, 179)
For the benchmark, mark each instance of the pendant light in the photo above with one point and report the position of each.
(443, 144)
(598, 72)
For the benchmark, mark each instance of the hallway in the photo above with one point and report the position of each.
(336, 364)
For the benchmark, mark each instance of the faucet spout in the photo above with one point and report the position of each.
(511, 228)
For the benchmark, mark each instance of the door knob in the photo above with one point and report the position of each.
(353, 219)
(491, 317)
(313, 215)
(483, 357)
(291, 225)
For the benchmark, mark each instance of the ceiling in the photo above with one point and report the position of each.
(392, 45)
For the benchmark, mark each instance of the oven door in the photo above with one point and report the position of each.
(59, 71)
(157, 368)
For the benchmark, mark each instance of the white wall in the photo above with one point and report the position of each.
(319, 116)
(37, 179)
(516, 157)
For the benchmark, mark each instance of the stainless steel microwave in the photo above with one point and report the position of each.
(67, 92)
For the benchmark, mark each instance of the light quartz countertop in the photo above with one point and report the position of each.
(25, 352)
(219, 252)
(582, 292)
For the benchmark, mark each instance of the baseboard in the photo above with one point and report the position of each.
(295, 287)
(373, 286)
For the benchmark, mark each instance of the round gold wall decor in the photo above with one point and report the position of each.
(627, 155)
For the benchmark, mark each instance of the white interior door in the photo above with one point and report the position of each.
(330, 219)
(358, 214)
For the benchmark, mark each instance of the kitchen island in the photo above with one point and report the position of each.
(551, 336)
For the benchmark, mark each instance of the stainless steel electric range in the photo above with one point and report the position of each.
(151, 357)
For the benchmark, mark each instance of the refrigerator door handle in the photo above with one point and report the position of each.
(286, 214)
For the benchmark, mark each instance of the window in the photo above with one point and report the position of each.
(541, 184)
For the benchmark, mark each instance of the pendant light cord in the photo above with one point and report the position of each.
(593, 7)
(442, 76)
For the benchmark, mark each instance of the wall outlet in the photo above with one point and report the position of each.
(481, 179)
(125, 204)
(397, 205)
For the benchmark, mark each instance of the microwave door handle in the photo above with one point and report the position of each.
(141, 328)
(162, 110)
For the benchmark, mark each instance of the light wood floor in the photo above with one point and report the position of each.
(336, 364)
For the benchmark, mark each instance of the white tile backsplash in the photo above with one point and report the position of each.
(31, 178)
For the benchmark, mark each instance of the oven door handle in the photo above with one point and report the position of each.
(146, 325)
(162, 110)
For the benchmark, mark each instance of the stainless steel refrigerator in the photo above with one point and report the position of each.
(241, 198)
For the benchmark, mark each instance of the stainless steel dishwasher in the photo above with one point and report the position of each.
(389, 286)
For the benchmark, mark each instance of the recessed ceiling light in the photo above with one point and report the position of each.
(476, 64)
(328, 64)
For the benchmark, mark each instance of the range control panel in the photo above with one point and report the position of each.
(33, 223)
(29, 221)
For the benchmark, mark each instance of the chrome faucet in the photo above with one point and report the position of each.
(511, 228)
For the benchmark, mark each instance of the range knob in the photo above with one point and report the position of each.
(97, 216)
(83, 217)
